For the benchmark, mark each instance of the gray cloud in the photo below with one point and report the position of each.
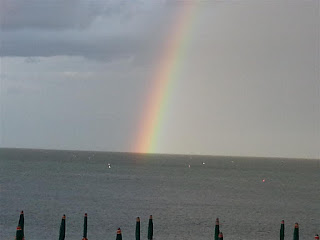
(32, 60)
(247, 83)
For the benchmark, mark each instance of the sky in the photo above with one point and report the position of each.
(81, 75)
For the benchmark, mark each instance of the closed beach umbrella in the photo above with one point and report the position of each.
(296, 232)
(62, 233)
(282, 230)
(150, 228)
(216, 230)
(85, 222)
(21, 223)
(119, 236)
(138, 228)
(19, 234)
(316, 237)
(220, 236)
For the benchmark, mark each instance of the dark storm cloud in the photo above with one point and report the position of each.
(45, 14)
(61, 14)
(46, 44)
(101, 30)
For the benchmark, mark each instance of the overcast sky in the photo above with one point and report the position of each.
(75, 75)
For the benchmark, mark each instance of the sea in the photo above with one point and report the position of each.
(184, 194)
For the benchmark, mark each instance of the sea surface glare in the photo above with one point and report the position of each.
(250, 195)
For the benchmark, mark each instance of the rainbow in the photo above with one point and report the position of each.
(164, 78)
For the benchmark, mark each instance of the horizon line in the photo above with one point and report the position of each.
(140, 153)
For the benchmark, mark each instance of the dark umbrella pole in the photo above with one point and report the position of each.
(21, 223)
(282, 230)
(138, 228)
(216, 230)
(119, 235)
(62, 233)
(85, 225)
(19, 233)
(150, 228)
(220, 236)
(296, 232)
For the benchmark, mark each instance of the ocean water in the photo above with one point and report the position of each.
(250, 195)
